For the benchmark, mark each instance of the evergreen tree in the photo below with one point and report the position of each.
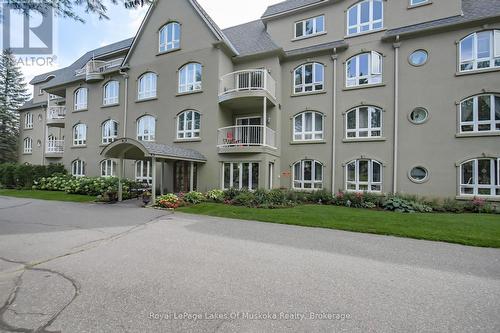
(13, 94)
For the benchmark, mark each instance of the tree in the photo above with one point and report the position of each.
(13, 95)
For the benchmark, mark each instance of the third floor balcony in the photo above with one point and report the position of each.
(246, 88)
(56, 115)
(94, 70)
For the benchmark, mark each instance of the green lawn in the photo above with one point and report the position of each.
(467, 229)
(47, 195)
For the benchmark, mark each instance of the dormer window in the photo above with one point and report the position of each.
(170, 37)
(310, 27)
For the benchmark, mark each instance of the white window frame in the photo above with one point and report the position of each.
(148, 178)
(371, 22)
(111, 93)
(28, 145)
(374, 75)
(493, 122)
(417, 2)
(189, 130)
(239, 182)
(314, 134)
(188, 73)
(493, 58)
(81, 99)
(315, 81)
(304, 33)
(473, 183)
(168, 42)
(307, 184)
(28, 120)
(146, 128)
(78, 168)
(108, 168)
(147, 86)
(109, 131)
(358, 129)
(79, 135)
(370, 183)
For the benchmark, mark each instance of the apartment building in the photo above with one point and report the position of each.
(371, 95)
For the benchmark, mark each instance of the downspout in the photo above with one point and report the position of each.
(396, 115)
(334, 116)
(125, 109)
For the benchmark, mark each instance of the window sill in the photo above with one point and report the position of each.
(80, 110)
(365, 86)
(296, 39)
(189, 93)
(308, 142)
(167, 52)
(477, 134)
(27, 128)
(309, 93)
(420, 5)
(27, 153)
(495, 198)
(187, 140)
(109, 105)
(364, 140)
(364, 33)
(79, 147)
(478, 71)
(146, 99)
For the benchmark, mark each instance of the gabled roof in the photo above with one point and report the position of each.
(251, 38)
(288, 5)
(30, 105)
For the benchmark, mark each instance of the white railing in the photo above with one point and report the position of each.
(250, 79)
(55, 146)
(246, 135)
(56, 112)
(98, 66)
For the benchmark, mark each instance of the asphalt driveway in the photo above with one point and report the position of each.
(118, 268)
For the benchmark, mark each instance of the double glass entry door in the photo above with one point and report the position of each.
(249, 130)
(182, 177)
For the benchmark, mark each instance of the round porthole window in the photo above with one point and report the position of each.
(419, 115)
(419, 58)
(418, 174)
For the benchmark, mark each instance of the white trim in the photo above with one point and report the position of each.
(473, 182)
(28, 145)
(170, 42)
(147, 86)
(307, 184)
(303, 86)
(79, 135)
(315, 31)
(109, 131)
(111, 93)
(28, 120)
(238, 183)
(374, 75)
(357, 130)
(493, 123)
(108, 168)
(473, 62)
(371, 24)
(363, 186)
(189, 130)
(309, 135)
(146, 128)
(188, 72)
(146, 175)
(78, 168)
(80, 99)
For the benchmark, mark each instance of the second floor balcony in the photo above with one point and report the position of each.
(245, 138)
(56, 115)
(54, 148)
(94, 70)
(247, 87)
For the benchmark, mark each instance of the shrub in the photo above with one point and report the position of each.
(25, 175)
(452, 206)
(194, 197)
(277, 197)
(230, 194)
(321, 197)
(245, 198)
(169, 201)
(398, 204)
(215, 195)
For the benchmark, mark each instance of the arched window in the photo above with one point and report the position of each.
(481, 177)
(109, 131)
(190, 78)
(108, 168)
(111, 93)
(146, 128)
(309, 77)
(308, 126)
(80, 98)
(170, 37)
(364, 175)
(480, 50)
(480, 114)
(143, 172)
(364, 122)
(28, 146)
(147, 86)
(307, 174)
(364, 68)
(28, 120)
(366, 15)
(188, 125)
(80, 135)
(78, 168)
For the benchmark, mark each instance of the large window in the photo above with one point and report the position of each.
(78, 168)
(309, 77)
(109, 131)
(108, 168)
(364, 175)
(80, 135)
(28, 146)
(147, 86)
(364, 122)
(188, 125)
(417, 2)
(143, 172)
(365, 16)
(365, 68)
(28, 120)
(190, 78)
(480, 177)
(240, 175)
(170, 37)
(307, 174)
(146, 128)
(310, 27)
(480, 50)
(480, 114)
(308, 126)
(80, 98)
(111, 93)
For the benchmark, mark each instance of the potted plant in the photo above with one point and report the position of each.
(146, 198)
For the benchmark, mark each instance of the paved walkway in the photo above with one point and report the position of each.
(118, 268)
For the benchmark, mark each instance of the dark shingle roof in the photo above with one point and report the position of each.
(172, 151)
(30, 105)
(340, 44)
(288, 5)
(250, 38)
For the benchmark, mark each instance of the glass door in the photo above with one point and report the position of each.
(249, 130)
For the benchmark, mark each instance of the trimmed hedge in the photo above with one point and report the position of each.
(25, 175)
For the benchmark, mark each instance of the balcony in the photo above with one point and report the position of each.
(246, 88)
(94, 70)
(246, 139)
(56, 115)
(54, 148)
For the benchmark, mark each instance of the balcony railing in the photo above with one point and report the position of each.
(56, 112)
(246, 135)
(55, 146)
(98, 66)
(248, 80)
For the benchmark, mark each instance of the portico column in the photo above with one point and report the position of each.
(120, 176)
(162, 176)
(191, 176)
(153, 175)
